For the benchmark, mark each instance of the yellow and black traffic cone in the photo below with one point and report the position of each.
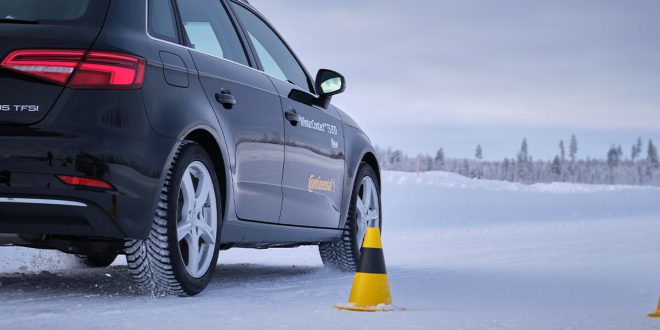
(657, 312)
(371, 290)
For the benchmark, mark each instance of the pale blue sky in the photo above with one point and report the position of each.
(430, 73)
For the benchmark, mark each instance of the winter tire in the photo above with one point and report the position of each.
(364, 211)
(181, 252)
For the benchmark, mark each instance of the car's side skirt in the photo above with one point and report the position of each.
(239, 232)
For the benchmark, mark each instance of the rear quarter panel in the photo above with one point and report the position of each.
(172, 111)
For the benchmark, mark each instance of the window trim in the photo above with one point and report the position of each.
(196, 50)
(183, 37)
(311, 90)
(253, 62)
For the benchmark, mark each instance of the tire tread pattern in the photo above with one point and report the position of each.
(149, 260)
(343, 254)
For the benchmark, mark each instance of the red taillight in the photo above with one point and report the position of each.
(53, 65)
(109, 70)
(91, 70)
(85, 182)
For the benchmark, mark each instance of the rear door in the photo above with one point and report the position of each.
(246, 104)
(39, 25)
(314, 145)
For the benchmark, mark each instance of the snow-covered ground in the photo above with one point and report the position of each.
(461, 254)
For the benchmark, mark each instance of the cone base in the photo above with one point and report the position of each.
(370, 309)
(654, 315)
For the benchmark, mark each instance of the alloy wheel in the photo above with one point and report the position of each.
(197, 224)
(368, 208)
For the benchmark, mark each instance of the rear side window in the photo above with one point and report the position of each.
(210, 30)
(162, 22)
(65, 12)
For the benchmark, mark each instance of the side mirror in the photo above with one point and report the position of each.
(328, 83)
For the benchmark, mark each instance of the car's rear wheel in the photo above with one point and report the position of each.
(364, 212)
(181, 253)
(96, 260)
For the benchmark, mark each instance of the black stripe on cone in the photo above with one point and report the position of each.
(372, 261)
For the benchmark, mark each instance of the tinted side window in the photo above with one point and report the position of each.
(210, 29)
(162, 23)
(275, 57)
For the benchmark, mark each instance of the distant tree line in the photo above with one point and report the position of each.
(640, 166)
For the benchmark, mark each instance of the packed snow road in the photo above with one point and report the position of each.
(461, 254)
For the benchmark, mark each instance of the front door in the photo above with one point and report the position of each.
(313, 177)
(313, 163)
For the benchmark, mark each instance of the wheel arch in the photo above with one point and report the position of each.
(209, 142)
(358, 149)
(370, 158)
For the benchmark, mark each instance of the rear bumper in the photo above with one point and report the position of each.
(56, 217)
(101, 135)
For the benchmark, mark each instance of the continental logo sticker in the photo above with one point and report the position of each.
(317, 184)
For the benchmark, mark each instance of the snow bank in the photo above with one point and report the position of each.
(448, 199)
(453, 180)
